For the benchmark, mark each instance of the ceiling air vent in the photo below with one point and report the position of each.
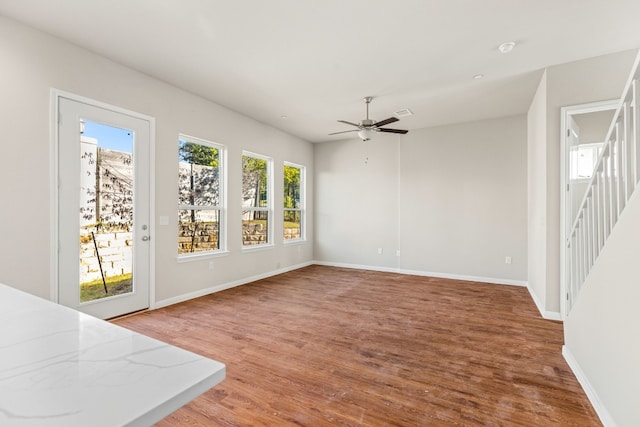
(403, 113)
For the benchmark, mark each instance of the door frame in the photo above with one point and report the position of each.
(56, 94)
(565, 113)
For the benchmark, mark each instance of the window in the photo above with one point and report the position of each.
(293, 202)
(583, 160)
(256, 199)
(200, 196)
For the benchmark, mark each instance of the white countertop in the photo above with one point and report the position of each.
(60, 367)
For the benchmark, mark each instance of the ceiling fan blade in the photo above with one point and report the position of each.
(349, 123)
(386, 121)
(402, 131)
(344, 131)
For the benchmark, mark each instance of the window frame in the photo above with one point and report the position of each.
(221, 207)
(574, 159)
(268, 209)
(301, 209)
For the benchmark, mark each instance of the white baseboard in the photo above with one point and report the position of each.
(604, 415)
(481, 279)
(492, 280)
(356, 266)
(549, 315)
(228, 285)
(244, 281)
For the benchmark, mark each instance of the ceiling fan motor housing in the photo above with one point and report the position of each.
(367, 126)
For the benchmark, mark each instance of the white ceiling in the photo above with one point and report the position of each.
(313, 61)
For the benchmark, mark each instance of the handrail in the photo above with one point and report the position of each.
(614, 179)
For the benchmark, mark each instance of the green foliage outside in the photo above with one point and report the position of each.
(255, 171)
(198, 154)
(292, 203)
(291, 187)
(116, 285)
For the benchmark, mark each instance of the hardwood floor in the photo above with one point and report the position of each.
(324, 346)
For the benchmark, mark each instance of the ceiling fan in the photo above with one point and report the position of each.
(366, 127)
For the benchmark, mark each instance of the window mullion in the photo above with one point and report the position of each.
(200, 196)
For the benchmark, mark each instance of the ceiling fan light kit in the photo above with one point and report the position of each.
(365, 134)
(367, 127)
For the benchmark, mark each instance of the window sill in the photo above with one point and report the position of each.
(255, 248)
(294, 242)
(201, 256)
(580, 180)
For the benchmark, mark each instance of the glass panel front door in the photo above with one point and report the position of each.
(106, 211)
(104, 235)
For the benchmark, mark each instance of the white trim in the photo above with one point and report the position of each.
(152, 210)
(222, 196)
(303, 203)
(565, 113)
(398, 201)
(256, 248)
(466, 278)
(357, 266)
(53, 195)
(55, 95)
(270, 202)
(228, 285)
(199, 256)
(604, 415)
(549, 315)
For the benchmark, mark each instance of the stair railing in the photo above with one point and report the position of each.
(614, 179)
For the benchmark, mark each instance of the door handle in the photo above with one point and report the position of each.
(146, 238)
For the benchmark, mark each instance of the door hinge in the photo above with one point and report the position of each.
(567, 187)
(567, 296)
(568, 133)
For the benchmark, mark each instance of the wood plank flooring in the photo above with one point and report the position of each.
(324, 346)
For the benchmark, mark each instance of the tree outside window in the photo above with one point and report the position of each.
(293, 202)
(199, 196)
(256, 200)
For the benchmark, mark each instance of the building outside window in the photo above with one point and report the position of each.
(293, 202)
(201, 207)
(583, 160)
(256, 199)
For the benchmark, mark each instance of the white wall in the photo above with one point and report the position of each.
(581, 82)
(356, 207)
(32, 64)
(452, 199)
(594, 126)
(602, 332)
(463, 205)
(537, 193)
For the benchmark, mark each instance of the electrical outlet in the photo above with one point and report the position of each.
(398, 252)
(211, 265)
(507, 260)
(379, 251)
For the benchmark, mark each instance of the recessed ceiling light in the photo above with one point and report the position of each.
(506, 47)
(283, 117)
(478, 76)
